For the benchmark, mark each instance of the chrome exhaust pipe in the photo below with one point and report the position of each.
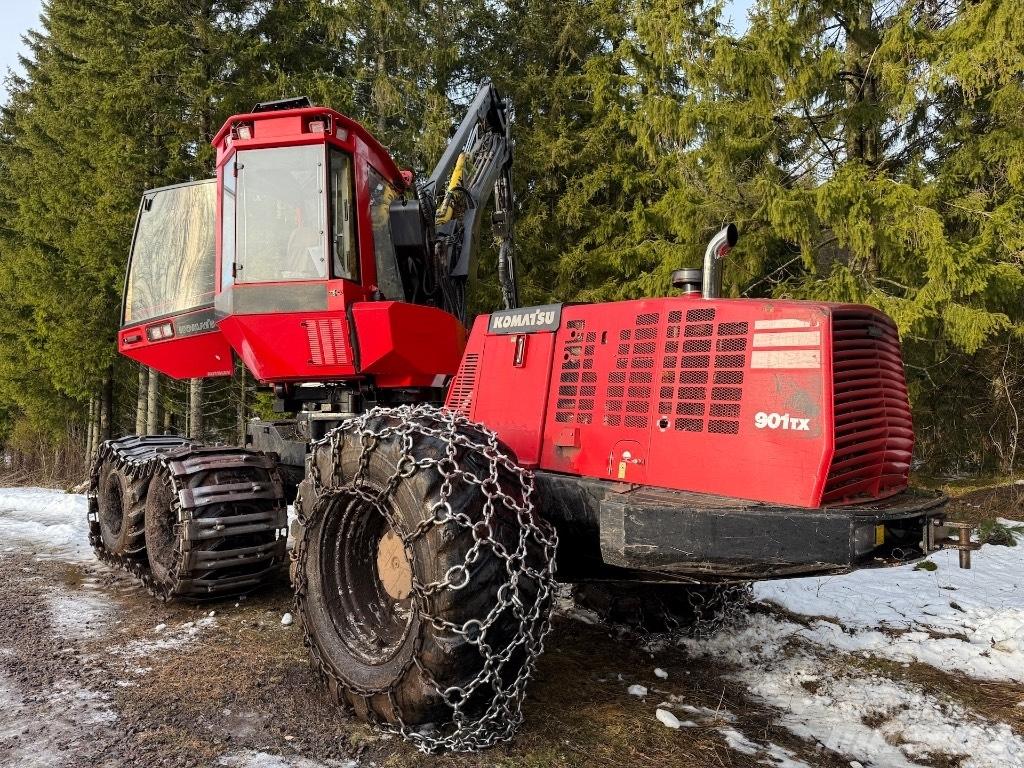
(714, 260)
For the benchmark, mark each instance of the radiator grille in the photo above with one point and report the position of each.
(671, 372)
(630, 386)
(874, 436)
(326, 342)
(698, 401)
(460, 395)
(577, 381)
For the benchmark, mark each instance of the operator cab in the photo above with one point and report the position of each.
(287, 259)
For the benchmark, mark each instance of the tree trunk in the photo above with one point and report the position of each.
(195, 409)
(142, 403)
(863, 132)
(107, 405)
(90, 431)
(241, 404)
(95, 427)
(153, 403)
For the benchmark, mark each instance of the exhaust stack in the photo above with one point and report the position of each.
(714, 258)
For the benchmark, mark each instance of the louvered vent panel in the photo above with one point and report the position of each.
(630, 388)
(326, 342)
(874, 435)
(577, 381)
(460, 395)
(702, 372)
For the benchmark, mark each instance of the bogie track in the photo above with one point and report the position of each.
(190, 521)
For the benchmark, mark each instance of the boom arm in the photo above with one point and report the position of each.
(477, 161)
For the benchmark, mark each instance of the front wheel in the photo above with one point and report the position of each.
(423, 578)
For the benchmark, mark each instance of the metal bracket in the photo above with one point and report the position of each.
(960, 542)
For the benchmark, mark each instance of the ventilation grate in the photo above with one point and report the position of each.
(635, 362)
(577, 379)
(460, 395)
(874, 435)
(700, 397)
(689, 371)
(326, 342)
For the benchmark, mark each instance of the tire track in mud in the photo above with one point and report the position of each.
(53, 700)
(89, 679)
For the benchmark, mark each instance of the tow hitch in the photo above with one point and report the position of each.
(939, 538)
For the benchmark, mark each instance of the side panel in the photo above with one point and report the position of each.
(197, 348)
(407, 345)
(512, 387)
(503, 382)
(728, 397)
(302, 346)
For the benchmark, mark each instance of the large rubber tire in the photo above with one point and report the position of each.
(121, 507)
(370, 646)
(161, 536)
(661, 607)
(170, 570)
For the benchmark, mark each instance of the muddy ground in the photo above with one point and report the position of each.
(95, 672)
(89, 680)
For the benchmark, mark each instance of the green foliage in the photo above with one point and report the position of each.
(868, 152)
(999, 534)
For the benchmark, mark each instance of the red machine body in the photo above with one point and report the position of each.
(688, 437)
(288, 260)
(292, 311)
(795, 403)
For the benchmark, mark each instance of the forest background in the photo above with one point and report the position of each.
(867, 151)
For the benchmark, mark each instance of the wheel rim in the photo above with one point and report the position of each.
(366, 580)
(112, 508)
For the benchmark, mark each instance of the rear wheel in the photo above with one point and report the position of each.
(120, 508)
(160, 533)
(214, 522)
(423, 580)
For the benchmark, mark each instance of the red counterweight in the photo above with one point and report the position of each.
(796, 403)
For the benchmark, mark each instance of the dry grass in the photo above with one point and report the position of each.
(995, 701)
(578, 712)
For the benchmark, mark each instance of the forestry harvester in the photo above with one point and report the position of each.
(649, 448)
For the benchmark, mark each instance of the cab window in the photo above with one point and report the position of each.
(280, 232)
(389, 280)
(344, 259)
(173, 250)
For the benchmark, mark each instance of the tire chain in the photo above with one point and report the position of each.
(140, 458)
(724, 605)
(503, 716)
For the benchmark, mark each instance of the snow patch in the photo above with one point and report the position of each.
(167, 638)
(874, 720)
(667, 718)
(52, 523)
(737, 742)
(969, 621)
(964, 622)
(37, 732)
(254, 759)
(879, 721)
(79, 614)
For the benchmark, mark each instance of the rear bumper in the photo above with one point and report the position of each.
(700, 536)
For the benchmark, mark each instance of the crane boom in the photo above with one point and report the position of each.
(476, 164)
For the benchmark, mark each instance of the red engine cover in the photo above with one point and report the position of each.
(786, 402)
